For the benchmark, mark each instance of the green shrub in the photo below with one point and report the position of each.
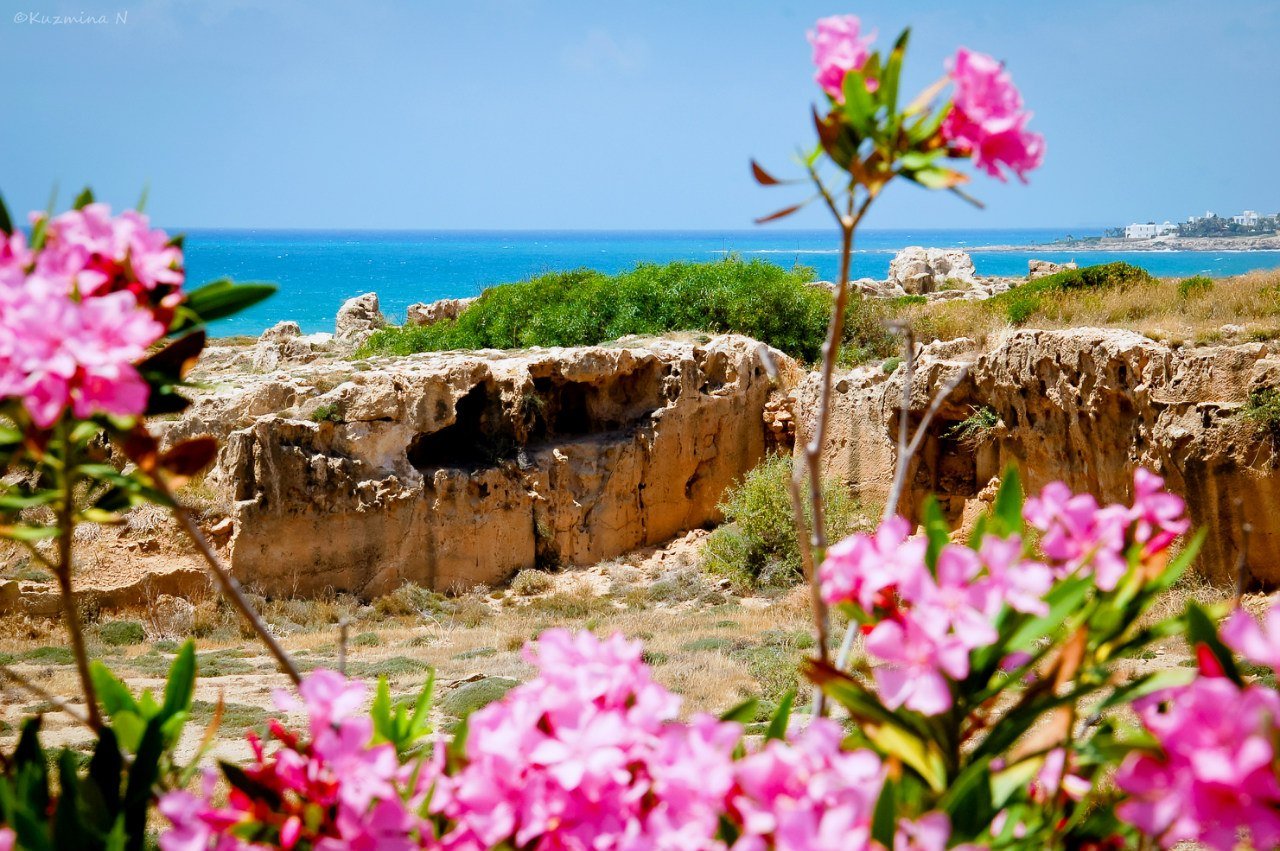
(890, 365)
(1194, 286)
(469, 697)
(975, 428)
(757, 546)
(1021, 303)
(121, 633)
(584, 307)
(529, 583)
(1263, 408)
(327, 412)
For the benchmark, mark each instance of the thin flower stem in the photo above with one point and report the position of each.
(229, 585)
(813, 547)
(70, 613)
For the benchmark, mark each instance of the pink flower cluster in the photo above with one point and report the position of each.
(1216, 774)
(838, 48)
(927, 622)
(79, 312)
(7, 839)
(1079, 535)
(336, 791)
(924, 623)
(589, 755)
(987, 121)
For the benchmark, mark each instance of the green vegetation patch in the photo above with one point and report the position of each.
(1023, 302)
(467, 698)
(121, 633)
(756, 547)
(1263, 408)
(583, 307)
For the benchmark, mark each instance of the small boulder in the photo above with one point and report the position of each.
(281, 331)
(920, 270)
(1043, 268)
(436, 311)
(359, 317)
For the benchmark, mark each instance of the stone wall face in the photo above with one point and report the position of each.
(1085, 406)
(452, 470)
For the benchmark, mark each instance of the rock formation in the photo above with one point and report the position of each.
(436, 311)
(1086, 406)
(924, 270)
(1043, 268)
(358, 318)
(455, 469)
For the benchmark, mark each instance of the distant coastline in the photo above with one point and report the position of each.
(1270, 242)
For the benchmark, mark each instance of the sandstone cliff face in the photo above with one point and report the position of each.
(455, 469)
(1085, 406)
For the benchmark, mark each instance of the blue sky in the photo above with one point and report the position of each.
(539, 114)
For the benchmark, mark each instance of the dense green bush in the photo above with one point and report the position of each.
(1194, 286)
(584, 307)
(756, 546)
(1021, 303)
(121, 633)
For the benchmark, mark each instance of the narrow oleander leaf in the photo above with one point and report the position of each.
(743, 713)
(1006, 511)
(927, 96)
(778, 723)
(966, 197)
(891, 78)
(884, 821)
(763, 177)
(223, 298)
(781, 214)
(1202, 634)
(84, 199)
(177, 358)
(143, 197)
(181, 684)
(6, 222)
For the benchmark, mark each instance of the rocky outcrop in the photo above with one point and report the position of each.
(1044, 268)
(437, 311)
(454, 469)
(1085, 406)
(920, 270)
(358, 318)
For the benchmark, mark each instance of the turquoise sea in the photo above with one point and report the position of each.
(318, 270)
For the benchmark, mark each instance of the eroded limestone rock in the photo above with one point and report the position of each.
(436, 311)
(920, 270)
(358, 318)
(1044, 268)
(1085, 406)
(455, 469)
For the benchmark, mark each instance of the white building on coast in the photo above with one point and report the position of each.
(1149, 230)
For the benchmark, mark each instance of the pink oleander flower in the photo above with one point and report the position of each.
(930, 832)
(588, 755)
(917, 663)
(838, 48)
(1216, 775)
(807, 794)
(56, 352)
(1259, 644)
(98, 253)
(1078, 534)
(1158, 516)
(7, 839)
(987, 120)
(336, 791)
(862, 568)
(957, 602)
(1020, 583)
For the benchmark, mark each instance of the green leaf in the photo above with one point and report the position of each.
(141, 206)
(1178, 566)
(104, 770)
(380, 712)
(67, 824)
(936, 530)
(778, 723)
(113, 694)
(25, 532)
(1006, 511)
(142, 778)
(968, 800)
(927, 125)
(859, 104)
(890, 79)
(84, 199)
(1064, 599)
(6, 223)
(884, 821)
(182, 681)
(223, 298)
(1201, 631)
(743, 713)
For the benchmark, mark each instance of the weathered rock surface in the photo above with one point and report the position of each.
(1043, 268)
(924, 270)
(455, 469)
(358, 318)
(436, 311)
(1085, 406)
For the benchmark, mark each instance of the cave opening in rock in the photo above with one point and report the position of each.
(478, 436)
